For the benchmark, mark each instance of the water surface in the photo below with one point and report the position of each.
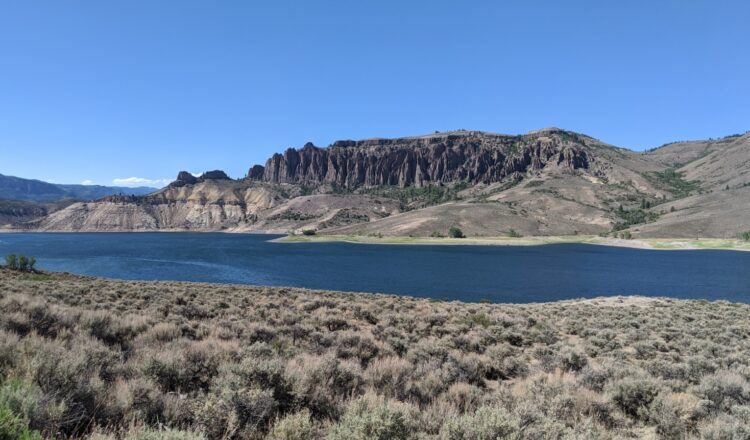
(467, 273)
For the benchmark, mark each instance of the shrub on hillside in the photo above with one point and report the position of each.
(724, 390)
(455, 232)
(634, 396)
(322, 384)
(512, 233)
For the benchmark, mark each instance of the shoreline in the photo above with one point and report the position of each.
(726, 244)
(616, 300)
(636, 243)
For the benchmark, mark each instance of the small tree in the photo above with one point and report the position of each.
(11, 261)
(20, 262)
(308, 232)
(745, 236)
(455, 232)
(23, 262)
(513, 234)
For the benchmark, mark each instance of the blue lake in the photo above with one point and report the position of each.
(468, 273)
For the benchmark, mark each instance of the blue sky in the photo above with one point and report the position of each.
(98, 91)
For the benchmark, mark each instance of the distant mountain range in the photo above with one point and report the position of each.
(30, 190)
(547, 182)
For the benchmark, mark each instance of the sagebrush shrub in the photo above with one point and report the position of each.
(464, 397)
(236, 413)
(374, 418)
(675, 415)
(724, 389)
(146, 433)
(121, 359)
(487, 423)
(139, 400)
(297, 426)
(634, 396)
(322, 384)
(390, 377)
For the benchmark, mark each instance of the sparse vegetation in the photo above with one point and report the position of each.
(630, 217)
(308, 232)
(745, 236)
(514, 234)
(674, 182)
(139, 360)
(293, 215)
(412, 197)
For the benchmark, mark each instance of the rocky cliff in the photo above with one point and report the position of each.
(471, 157)
(213, 202)
(549, 182)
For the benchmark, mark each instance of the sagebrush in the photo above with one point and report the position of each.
(145, 360)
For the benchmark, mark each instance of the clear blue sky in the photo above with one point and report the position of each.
(104, 90)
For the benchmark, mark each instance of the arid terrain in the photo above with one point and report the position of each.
(83, 357)
(550, 182)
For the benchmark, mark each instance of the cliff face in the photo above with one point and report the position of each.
(215, 203)
(470, 157)
(549, 182)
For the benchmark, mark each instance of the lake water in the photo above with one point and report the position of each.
(468, 273)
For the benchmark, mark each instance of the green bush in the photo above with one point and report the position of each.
(745, 236)
(11, 261)
(18, 405)
(455, 232)
(513, 234)
(308, 232)
(297, 426)
(20, 262)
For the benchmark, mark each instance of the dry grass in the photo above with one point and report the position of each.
(159, 360)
